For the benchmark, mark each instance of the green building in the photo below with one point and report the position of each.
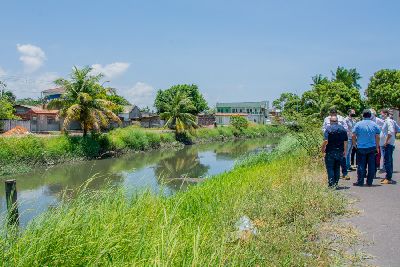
(256, 112)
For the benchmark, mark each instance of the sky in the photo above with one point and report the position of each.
(233, 50)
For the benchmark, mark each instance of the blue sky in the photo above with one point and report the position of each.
(233, 50)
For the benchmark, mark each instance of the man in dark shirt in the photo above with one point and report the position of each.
(334, 147)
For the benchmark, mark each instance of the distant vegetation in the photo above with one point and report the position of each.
(343, 92)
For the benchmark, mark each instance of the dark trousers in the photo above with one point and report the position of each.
(343, 165)
(333, 160)
(388, 161)
(353, 154)
(366, 159)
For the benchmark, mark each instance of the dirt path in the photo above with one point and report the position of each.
(379, 220)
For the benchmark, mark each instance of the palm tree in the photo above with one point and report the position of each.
(177, 114)
(83, 101)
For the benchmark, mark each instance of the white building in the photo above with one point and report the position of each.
(256, 112)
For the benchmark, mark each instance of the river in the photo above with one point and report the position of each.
(154, 170)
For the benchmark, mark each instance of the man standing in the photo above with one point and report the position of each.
(366, 139)
(387, 140)
(350, 125)
(340, 121)
(334, 147)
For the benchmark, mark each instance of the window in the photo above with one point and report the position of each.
(51, 120)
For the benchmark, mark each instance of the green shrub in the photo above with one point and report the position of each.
(239, 122)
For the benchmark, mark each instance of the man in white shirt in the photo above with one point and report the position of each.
(350, 122)
(380, 155)
(387, 141)
(341, 121)
(333, 112)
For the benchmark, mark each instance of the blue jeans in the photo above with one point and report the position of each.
(383, 157)
(366, 159)
(348, 156)
(388, 160)
(333, 160)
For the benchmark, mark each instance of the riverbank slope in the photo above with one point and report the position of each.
(21, 154)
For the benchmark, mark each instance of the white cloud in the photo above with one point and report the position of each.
(23, 86)
(111, 70)
(31, 56)
(2, 72)
(141, 94)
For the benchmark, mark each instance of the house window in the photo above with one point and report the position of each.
(51, 121)
(241, 111)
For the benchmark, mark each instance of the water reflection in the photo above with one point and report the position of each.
(41, 188)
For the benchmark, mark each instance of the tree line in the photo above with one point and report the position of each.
(342, 91)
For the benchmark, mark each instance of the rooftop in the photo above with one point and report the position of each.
(243, 104)
(52, 91)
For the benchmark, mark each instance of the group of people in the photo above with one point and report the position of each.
(372, 138)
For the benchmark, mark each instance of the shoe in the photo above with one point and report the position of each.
(357, 184)
(381, 171)
(351, 169)
(386, 181)
(346, 177)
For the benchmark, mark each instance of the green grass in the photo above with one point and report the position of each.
(20, 154)
(282, 192)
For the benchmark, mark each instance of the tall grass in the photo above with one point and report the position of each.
(283, 195)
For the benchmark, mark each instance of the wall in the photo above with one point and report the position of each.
(6, 125)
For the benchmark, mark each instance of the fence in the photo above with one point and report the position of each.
(6, 125)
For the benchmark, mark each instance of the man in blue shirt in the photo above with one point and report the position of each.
(366, 139)
(334, 147)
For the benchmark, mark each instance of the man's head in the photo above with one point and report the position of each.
(333, 120)
(385, 113)
(333, 112)
(367, 114)
(352, 113)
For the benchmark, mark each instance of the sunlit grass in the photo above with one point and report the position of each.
(283, 193)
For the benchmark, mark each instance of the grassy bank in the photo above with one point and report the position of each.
(281, 192)
(19, 154)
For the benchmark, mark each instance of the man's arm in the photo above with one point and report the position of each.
(323, 147)
(354, 140)
(391, 132)
(324, 125)
(377, 142)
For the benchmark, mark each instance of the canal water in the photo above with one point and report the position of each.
(154, 170)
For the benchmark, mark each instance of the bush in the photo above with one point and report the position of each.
(239, 123)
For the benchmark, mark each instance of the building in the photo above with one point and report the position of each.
(53, 93)
(42, 120)
(205, 119)
(256, 112)
(130, 113)
(151, 120)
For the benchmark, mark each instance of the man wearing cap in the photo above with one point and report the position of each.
(341, 121)
(334, 147)
(366, 139)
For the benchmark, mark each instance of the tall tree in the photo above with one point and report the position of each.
(319, 79)
(349, 77)
(6, 109)
(165, 97)
(383, 90)
(83, 101)
(178, 114)
(317, 101)
(289, 103)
